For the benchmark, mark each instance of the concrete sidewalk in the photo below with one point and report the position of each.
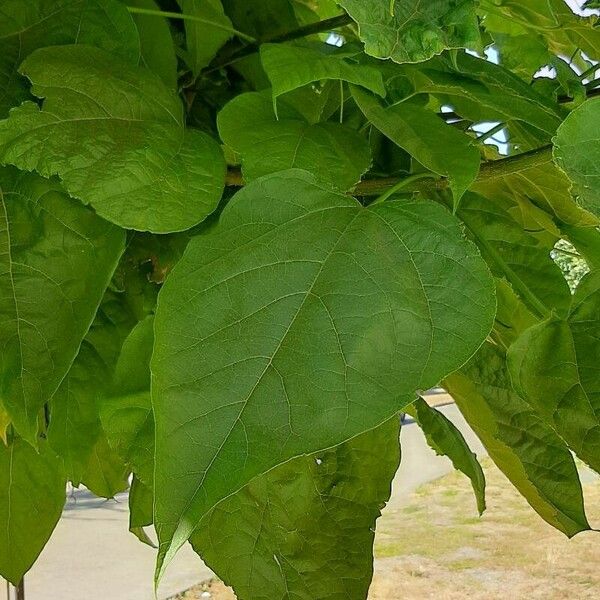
(92, 555)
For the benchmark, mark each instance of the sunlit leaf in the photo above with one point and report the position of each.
(27, 26)
(553, 365)
(115, 137)
(411, 30)
(524, 448)
(577, 153)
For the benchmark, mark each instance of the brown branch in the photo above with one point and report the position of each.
(304, 31)
(489, 170)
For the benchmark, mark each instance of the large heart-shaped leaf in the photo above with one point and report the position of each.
(114, 134)
(56, 259)
(27, 26)
(301, 320)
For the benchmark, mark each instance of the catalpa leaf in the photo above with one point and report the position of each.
(335, 153)
(156, 44)
(544, 186)
(425, 136)
(516, 246)
(106, 475)
(305, 530)
(480, 90)
(56, 260)
(410, 31)
(299, 321)
(32, 495)
(554, 366)
(552, 23)
(447, 440)
(140, 510)
(524, 448)
(262, 19)
(290, 66)
(27, 26)
(204, 37)
(114, 135)
(75, 428)
(126, 411)
(577, 153)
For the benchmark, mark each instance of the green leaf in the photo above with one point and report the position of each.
(297, 322)
(482, 91)
(524, 448)
(554, 366)
(156, 43)
(336, 154)
(517, 247)
(427, 138)
(203, 40)
(27, 26)
(106, 475)
(126, 412)
(512, 316)
(547, 187)
(4, 423)
(413, 31)
(262, 19)
(57, 258)
(114, 134)
(305, 530)
(75, 429)
(140, 510)
(443, 437)
(290, 66)
(32, 495)
(552, 22)
(577, 153)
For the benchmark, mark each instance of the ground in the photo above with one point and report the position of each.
(436, 547)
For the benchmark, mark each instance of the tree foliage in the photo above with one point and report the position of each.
(239, 237)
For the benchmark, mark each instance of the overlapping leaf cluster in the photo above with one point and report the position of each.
(239, 237)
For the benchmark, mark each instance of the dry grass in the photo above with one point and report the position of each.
(435, 547)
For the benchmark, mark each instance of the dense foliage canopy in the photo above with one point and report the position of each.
(238, 237)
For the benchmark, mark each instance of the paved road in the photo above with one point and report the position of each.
(92, 556)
